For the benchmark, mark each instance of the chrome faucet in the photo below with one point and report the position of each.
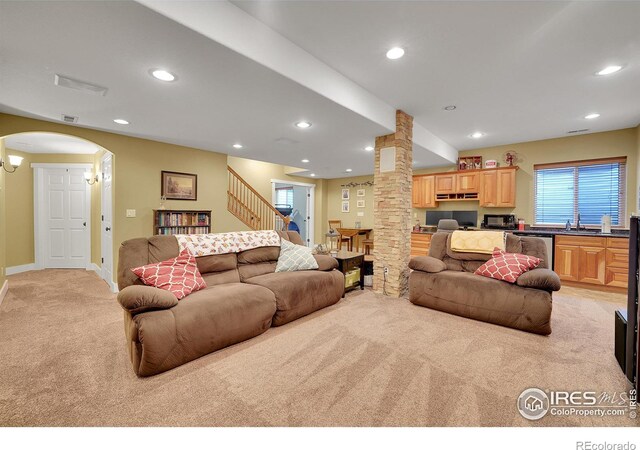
(578, 223)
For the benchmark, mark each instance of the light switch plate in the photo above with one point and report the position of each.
(360, 214)
(131, 212)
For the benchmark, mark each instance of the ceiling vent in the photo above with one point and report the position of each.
(69, 119)
(577, 131)
(61, 80)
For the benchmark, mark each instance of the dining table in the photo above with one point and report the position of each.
(354, 234)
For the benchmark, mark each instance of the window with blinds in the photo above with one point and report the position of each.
(589, 188)
(284, 196)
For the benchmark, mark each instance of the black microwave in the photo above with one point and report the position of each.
(499, 221)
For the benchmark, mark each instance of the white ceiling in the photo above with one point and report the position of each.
(220, 97)
(49, 143)
(518, 71)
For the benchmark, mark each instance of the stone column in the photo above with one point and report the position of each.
(392, 208)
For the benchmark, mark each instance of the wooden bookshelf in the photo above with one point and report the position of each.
(177, 221)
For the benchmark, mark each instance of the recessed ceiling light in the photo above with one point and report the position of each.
(349, 170)
(368, 148)
(395, 53)
(449, 108)
(313, 174)
(162, 75)
(121, 121)
(305, 160)
(237, 145)
(303, 124)
(609, 70)
(476, 135)
(592, 116)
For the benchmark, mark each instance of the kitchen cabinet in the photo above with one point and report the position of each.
(498, 188)
(467, 182)
(591, 265)
(422, 194)
(592, 260)
(566, 262)
(445, 184)
(420, 243)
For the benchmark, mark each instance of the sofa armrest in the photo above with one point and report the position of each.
(326, 262)
(545, 279)
(427, 264)
(137, 299)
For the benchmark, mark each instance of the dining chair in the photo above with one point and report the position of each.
(336, 225)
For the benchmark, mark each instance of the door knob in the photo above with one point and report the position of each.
(84, 224)
(107, 229)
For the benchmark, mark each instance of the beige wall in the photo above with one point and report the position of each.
(334, 202)
(137, 166)
(589, 146)
(259, 175)
(3, 247)
(19, 201)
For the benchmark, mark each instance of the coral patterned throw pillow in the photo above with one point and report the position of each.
(179, 275)
(507, 266)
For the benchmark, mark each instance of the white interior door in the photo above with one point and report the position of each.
(66, 213)
(107, 219)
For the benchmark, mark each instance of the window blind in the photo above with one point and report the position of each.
(284, 196)
(589, 188)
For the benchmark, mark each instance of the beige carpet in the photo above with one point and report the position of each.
(367, 361)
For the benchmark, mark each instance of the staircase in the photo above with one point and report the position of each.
(251, 208)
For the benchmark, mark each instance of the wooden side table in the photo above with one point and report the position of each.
(348, 261)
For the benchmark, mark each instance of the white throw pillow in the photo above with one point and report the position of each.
(295, 257)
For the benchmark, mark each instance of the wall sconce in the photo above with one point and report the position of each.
(90, 179)
(14, 161)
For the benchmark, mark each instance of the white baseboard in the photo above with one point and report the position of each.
(19, 269)
(96, 268)
(3, 291)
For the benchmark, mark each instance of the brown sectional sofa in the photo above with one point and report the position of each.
(243, 298)
(445, 281)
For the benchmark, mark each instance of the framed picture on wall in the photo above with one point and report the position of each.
(345, 207)
(360, 204)
(345, 194)
(361, 193)
(179, 186)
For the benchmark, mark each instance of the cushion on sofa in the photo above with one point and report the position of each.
(210, 319)
(179, 275)
(295, 257)
(217, 263)
(137, 299)
(507, 266)
(301, 293)
(540, 278)
(326, 262)
(427, 264)
(485, 299)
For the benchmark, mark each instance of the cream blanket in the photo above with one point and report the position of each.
(478, 241)
(222, 243)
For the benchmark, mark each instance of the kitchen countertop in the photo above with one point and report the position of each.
(562, 232)
(554, 232)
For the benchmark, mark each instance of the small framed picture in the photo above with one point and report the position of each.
(345, 194)
(179, 186)
(345, 207)
(360, 204)
(361, 193)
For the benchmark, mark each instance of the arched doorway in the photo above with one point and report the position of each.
(57, 204)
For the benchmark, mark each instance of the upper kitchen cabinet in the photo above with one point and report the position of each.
(498, 188)
(445, 183)
(423, 192)
(467, 182)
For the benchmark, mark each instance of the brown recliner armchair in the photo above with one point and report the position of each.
(445, 281)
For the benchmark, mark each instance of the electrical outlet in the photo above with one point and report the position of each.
(386, 271)
(131, 212)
